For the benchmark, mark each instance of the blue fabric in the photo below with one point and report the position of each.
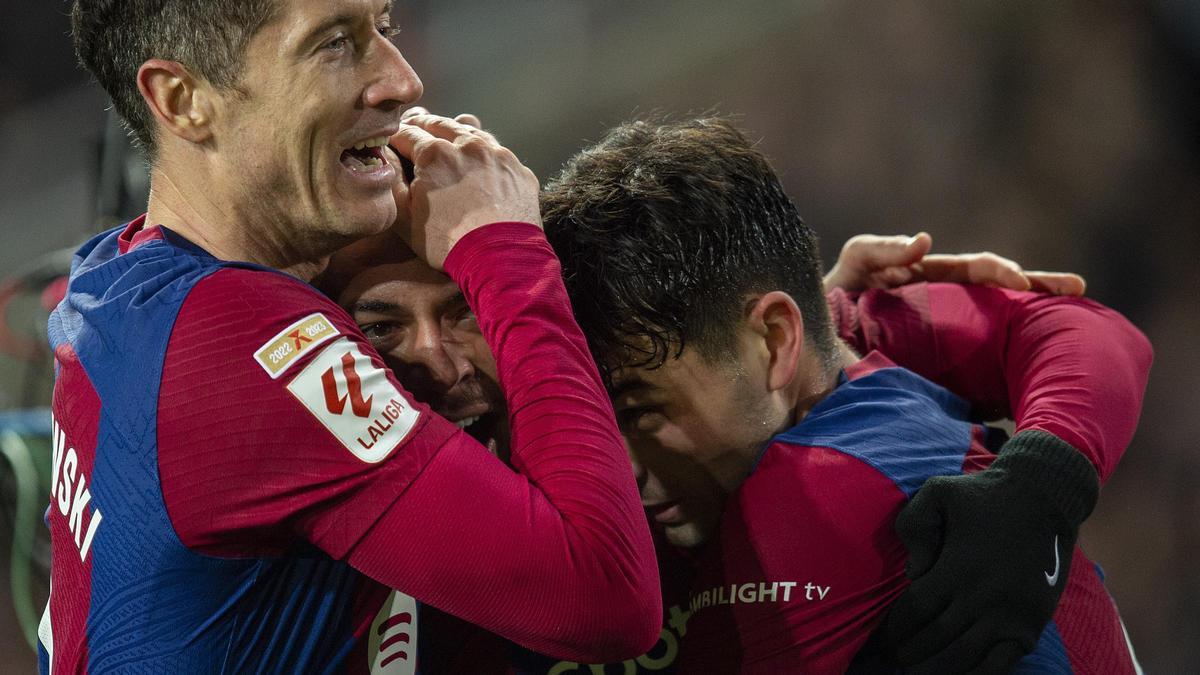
(903, 425)
(1049, 656)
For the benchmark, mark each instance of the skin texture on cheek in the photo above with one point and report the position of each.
(711, 421)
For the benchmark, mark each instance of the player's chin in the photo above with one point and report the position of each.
(686, 535)
(365, 217)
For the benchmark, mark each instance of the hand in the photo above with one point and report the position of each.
(989, 555)
(463, 179)
(874, 261)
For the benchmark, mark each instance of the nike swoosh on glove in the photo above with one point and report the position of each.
(988, 557)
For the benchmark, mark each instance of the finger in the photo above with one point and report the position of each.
(973, 268)
(1058, 283)
(962, 653)
(413, 112)
(469, 120)
(409, 141)
(443, 127)
(890, 277)
(1001, 659)
(921, 528)
(473, 122)
(924, 601)
(989, 268)
(403, 165)
(933, 636)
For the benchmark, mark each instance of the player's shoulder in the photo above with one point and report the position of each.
(886, 417)
(253, 314)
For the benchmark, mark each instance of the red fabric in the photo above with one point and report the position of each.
(76, 418)
(136, 233)
(816, 515)
(805, 516)
(1067, 366)
(1088, 622)
(557, 558)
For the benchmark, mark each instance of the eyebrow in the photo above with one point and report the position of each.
(330, 22)
(378, 307)
(457, 299)
(343, 19)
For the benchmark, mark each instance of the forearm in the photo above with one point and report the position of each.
(1067, 366)
(575, 530)
(483, 543)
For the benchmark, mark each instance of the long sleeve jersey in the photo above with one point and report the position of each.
(239, 485)
(807, 560)
(1068, 366)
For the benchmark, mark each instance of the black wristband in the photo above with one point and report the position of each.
(1058, 471)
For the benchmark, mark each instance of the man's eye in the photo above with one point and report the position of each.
(466, 321)
(388, 32)
(379, 330)
(338, 44)
(640, 419)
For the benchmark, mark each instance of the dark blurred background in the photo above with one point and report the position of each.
(1065, 135)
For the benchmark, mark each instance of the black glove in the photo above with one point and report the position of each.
(988, 557)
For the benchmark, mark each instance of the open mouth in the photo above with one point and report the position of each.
(482, 428)
(366, 156)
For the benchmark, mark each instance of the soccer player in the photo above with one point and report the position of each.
(239, 485)
(783, 459)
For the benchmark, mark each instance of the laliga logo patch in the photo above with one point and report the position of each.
(355, 401)
(392, 643)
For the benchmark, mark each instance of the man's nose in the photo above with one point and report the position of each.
(394, 83)
(443, 360)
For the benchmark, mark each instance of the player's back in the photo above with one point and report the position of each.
(807, 561)
(126, 593)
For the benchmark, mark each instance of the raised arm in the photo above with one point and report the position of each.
(1064, 365)
(521, 554)
(1072, 374)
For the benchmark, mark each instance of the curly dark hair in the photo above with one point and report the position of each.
(664, 228)
(113, 38)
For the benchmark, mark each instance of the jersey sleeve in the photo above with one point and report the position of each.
(813, 527)
(1067, 366)
(269, 442)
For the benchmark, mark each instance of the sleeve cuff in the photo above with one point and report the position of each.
(1056, 469)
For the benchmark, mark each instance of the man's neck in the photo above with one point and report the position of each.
(219, 223)
(824, 381)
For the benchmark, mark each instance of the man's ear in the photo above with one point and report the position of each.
(180, 102)
(776, 318)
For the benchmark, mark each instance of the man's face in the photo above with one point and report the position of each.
(320, 93)
(694, 427)
(418, 320)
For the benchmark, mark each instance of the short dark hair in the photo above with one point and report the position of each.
(663, 228)
(113, 38)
